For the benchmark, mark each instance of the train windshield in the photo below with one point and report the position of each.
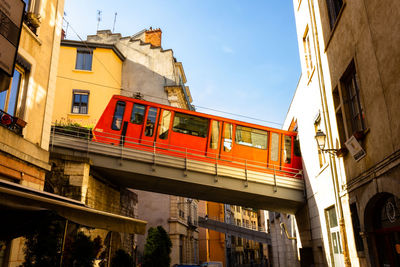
(189, 124)
(251, 137)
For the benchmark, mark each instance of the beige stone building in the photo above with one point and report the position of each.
(348, 92)
(24, 156)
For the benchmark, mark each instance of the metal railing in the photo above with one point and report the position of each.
(14, 124)
(126, 143)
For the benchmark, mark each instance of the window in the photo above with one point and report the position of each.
(251, 137)
(348, 106)
(9, 97)
(228, 137)
(138, 113)
(307, 53)
(215, 125)
(287, 151)
(334, 233)
(26, 5)
(189, 124)
(80, 102)
(164, 125)
(334, 7)
(356, 227)
(118, 115)
(151, 121)
(274, 146)
(84, 59)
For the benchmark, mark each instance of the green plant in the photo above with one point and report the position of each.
(43, 241)
(80, 250)
(157, 248)
(122, 259)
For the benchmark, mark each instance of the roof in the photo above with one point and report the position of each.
(84, 44)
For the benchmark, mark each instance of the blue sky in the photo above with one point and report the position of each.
(239, 56)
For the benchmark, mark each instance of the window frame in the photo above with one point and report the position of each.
(334, 11)
(80, 92)
(19, 90)
(83, 67)
(308, 53)
(344, 117)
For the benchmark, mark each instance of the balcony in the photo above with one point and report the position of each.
(13, 124)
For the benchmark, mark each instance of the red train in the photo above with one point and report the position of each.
(144, 125)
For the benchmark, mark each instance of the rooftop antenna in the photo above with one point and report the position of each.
(115, 19)
(98, 19)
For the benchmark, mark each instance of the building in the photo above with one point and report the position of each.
(138, 67)
(350, 82)
(24, 155)
(90, 74)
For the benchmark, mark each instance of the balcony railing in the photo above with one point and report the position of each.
(14, 124)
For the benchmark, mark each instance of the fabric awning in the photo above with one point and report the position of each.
(15, 196)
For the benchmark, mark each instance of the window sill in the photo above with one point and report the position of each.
(83, 71)
(335, 26)
(311, 75)
(298, 7)
(79, 114)
(30, 32)
(322, 169)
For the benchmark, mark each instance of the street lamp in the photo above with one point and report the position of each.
(320, 137)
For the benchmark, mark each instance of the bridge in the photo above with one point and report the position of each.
(158, 169)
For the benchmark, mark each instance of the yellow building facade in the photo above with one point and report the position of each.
(89, 74)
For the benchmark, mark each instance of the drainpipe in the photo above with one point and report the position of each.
(332, 159)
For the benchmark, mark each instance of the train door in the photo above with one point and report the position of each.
(149, 128)
(164, 129)
(287, 152)
(214, 137)
(134, 127)
(226, 143)
(274, 151)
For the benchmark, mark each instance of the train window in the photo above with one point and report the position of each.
(228, 137)
(150, 122)
(296, 147)
(164, 125)
(287, 156)
(188, 124)
(138, 114)
(274, 146)
(251, 137)
(118, 115)
(214, 134)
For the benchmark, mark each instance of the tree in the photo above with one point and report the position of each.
(122, 259)
(80, 250)
(157, 248)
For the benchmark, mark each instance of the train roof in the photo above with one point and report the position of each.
(209, 116)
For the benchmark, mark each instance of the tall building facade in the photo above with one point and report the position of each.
(26, 107)
(347, 93)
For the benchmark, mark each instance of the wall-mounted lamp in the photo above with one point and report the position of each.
(320, 136)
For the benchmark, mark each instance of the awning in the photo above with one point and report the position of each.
(15, 196)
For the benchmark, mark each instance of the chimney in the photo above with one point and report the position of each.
(153, 37)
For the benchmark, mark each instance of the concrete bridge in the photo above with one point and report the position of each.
(187, 176)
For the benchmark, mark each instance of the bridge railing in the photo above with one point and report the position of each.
(126, 143)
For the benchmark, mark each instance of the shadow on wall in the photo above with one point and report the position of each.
(138, 78)
(310, 231)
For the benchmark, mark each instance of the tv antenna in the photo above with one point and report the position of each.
(98, 19)
(115, 19)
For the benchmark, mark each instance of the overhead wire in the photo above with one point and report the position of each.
(148, 95)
